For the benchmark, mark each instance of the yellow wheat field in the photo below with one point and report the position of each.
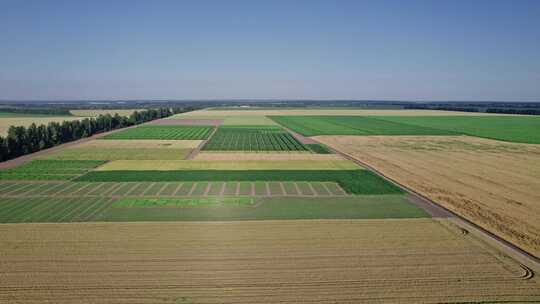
(494, 184)
(347, 261)
(6, 122)
(240, 156)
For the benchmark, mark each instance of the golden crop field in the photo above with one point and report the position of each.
(323, 261)
(486, 181)
(166, 165)
(240, 156)
(6, 122)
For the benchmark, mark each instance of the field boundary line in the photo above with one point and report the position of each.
(192, 189)
(162, 188)
(148, 188)
(207, 189)
(180, 185)
(505, 244)
(198, 149)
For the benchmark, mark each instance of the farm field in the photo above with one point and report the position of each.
(278, 156)
(523, 129)
(97, 112)
(163, 133)
(240, 262)
(489, 182)
(252, 138)
(7, 121)
(171, 165)
(229, 206)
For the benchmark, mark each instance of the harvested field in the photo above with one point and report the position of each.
(169, 165)
(259, 120)
(6, 122)
(188, 122)
(256, 262)
(489, 182)
(97, 112)
(270, 156)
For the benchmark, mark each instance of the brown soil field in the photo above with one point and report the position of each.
(491, 183)
(353, 261)
(140, 143)
(264, 156)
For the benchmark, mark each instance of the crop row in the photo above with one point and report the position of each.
(253, 139)
(49, 170)
(163, 132)
(51, 209)
(352, 181)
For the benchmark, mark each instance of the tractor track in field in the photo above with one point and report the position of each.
(197, 150)
(437, 210)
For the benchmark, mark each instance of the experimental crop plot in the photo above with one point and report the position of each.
(50, 170)
(163, 133)
(253, 139)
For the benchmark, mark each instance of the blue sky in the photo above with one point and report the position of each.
(407, 50)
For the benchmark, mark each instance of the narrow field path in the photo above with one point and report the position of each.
(196, 151)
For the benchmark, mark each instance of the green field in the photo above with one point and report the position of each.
(182, 202)
(50, 170)
(319, 149)
(250, 138)
(106, 153)
(523, 129)
(352, 125)
(358, 207)
(163, 132)
(352, 181)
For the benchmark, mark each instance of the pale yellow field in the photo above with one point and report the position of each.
(318, 261)
(6, 122)
(359, 112)
(228, 165)
(142, 143)
(492, 183)
(97, 112)
(235, 156)
(240, 120)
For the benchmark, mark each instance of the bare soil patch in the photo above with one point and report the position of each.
(488, 182)
(355, 261)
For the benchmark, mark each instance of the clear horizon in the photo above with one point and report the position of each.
(283, 50)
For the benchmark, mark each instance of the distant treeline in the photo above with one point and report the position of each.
(24, 140)
(40, 111)
(472, 109)
(514, 111)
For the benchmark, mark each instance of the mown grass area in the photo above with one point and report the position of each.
(141, 153)
(253, 138)
(182, 202)
(172, 165)
(352, 181)
(50, 170)
(522, 129)
(352, 125)
(52, 209)
(358, 207)
(163, 132)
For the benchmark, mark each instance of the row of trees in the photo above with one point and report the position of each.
(514, 111)
(24, 140)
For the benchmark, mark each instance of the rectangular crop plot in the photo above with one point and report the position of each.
(354, 125)
(352, 181)
(49, 170)
(52, 209)
(163, 132)
(181, 202)
(253, 139)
